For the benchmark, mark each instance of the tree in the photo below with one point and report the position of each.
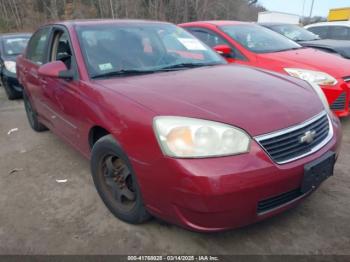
(17, 15)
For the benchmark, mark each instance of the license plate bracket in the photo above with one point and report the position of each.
(318, 171)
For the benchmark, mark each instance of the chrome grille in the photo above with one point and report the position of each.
(299, 141)
(340, 103)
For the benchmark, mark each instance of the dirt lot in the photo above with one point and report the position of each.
(40, 216)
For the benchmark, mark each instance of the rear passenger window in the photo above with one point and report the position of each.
(339, 32)
(37, 46)
(321, 31)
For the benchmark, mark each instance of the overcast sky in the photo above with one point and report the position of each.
(321, 7)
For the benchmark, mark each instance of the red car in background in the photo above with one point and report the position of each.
(254, 45)
(164, 122)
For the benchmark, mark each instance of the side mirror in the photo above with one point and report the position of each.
(56, 69)
(224, 50)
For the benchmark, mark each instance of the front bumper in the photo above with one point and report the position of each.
(217, 194)
(339, 98)
(10, 80)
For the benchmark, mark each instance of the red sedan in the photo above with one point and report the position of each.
(254, 45)
(171, 130)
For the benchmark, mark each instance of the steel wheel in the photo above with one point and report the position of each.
(118, 181)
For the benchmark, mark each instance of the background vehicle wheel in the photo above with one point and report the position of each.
(116, 183)
(32, 115)
(10, 93)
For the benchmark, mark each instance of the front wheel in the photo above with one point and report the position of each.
(116, 183)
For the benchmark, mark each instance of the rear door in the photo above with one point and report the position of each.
(36, 55)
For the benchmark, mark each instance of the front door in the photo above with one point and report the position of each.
(65, 95)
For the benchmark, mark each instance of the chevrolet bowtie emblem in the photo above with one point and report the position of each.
(308, 137)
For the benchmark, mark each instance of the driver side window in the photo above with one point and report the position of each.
(61, 49)
(321, 31)
(208, 38)
(212, 39)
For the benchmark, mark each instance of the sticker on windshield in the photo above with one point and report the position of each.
(192, 44)
(105, 67)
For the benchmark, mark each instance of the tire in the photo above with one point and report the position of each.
(10, 92)
(116, 182)
(32, 116)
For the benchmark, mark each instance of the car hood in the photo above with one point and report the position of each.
(309, 58)
(341, 47)
(257, 101)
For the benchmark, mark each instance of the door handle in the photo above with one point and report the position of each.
(33, 73)
(43, 82)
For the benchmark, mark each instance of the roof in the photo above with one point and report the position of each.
(216, 23)
(343, 23)
(275, 12)
(272, 24)
(340, 8)
(14, 35)
(78, 22)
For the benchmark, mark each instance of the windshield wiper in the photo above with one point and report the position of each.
(303, 40)
(184, 66)
(123, 72)
(288, 49)
(128, 72)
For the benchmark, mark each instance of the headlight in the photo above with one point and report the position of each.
(316, 77)
(321, 95)
(10, 66)
(195, 138)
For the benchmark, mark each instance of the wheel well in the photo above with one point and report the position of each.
(95, 134)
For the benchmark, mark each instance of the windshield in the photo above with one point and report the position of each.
(119, 49)
(295, 32)
(15, 45)
(259, 39)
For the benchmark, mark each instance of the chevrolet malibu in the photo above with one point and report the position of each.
(171, 130)
(254, 45)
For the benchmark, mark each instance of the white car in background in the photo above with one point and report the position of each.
(331, 30)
